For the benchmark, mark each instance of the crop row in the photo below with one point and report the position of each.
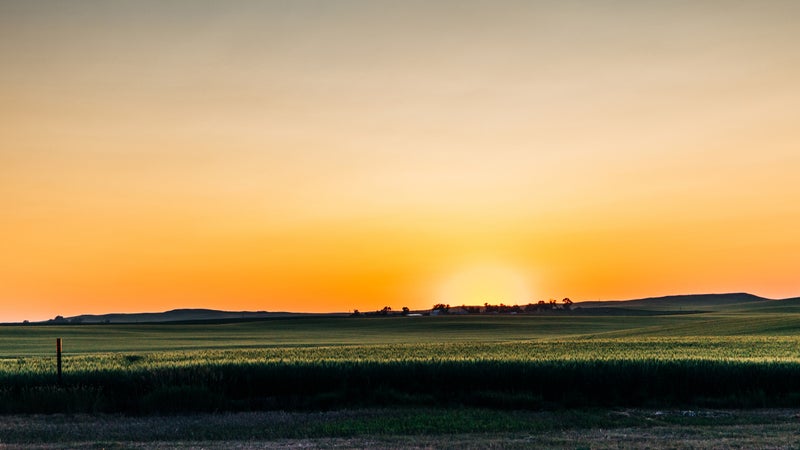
(742, 349)
(730, 371)
(337, 384)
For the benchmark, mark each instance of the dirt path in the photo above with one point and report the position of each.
(756, 429)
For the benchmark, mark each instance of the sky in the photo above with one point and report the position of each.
(337, 155)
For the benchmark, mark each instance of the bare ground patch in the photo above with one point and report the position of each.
(631, 428)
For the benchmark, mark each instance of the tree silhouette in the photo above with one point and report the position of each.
(441, 308)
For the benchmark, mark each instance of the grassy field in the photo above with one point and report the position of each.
(39, 340)
(545, 381)
(727, 358)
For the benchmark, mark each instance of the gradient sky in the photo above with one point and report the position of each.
(330, 155)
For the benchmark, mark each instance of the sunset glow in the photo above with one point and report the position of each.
(340, 155)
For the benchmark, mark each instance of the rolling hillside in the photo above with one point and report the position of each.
(698, 302)
(175, 315)
(676, 304)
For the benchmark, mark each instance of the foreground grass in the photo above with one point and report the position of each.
(321, 384)
(410, 428)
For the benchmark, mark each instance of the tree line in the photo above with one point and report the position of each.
(486, 308)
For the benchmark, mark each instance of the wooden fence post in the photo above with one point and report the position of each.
(58, 358)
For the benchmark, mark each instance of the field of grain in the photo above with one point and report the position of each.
(505, 362)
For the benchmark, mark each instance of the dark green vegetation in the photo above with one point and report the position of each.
(739, 354)
(411, 428)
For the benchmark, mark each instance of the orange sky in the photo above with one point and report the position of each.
(331, 155)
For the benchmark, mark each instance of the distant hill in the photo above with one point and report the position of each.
(679, 302)
(620, 311)
(789, 305)
(175, 315)
(673, 304)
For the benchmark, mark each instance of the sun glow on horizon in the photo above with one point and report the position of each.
(488, 282)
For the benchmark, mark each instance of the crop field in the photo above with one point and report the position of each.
(38, 340)
(316, 363)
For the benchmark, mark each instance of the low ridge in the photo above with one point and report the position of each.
(675, 303)
(698, 301)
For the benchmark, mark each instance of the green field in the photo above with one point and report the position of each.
(39, 340)
(736, 356)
